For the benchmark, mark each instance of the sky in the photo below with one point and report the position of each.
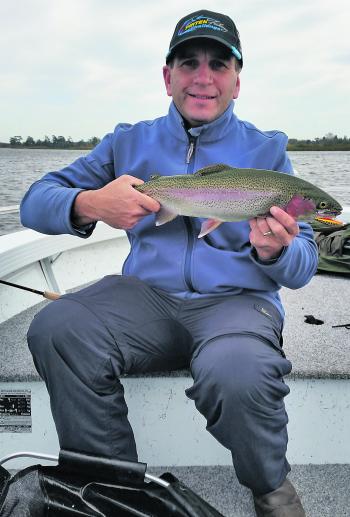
(78, 67)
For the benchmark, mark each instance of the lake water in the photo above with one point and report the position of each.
(19, 168)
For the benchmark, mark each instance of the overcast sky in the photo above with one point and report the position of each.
(78, 67)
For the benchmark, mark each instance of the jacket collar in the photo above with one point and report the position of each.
(208, 132)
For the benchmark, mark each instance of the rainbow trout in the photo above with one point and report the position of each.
(222, 193)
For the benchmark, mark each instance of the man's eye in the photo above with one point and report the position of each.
(190, 63)
(217, 65)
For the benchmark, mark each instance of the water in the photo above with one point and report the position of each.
(19, 168)
(328, 170)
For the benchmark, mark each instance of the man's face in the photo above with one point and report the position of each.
(202, 80)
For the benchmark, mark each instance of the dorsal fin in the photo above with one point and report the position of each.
(212, 169)
(154, 176)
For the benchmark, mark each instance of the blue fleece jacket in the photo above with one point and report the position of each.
(171, 257)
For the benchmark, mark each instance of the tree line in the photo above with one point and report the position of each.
(329, 142)
(55, 142)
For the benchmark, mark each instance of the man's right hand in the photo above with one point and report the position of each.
(117, 204)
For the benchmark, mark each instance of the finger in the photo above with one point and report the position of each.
(286, 220)
(142, 212)
(148, 203)
(132, 180)
(263, 226)
(259, 228)
(284, 224)
(281, 233)
(252, 224)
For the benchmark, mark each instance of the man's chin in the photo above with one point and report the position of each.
(195, 121)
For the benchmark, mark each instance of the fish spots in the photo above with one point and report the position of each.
(217, 194)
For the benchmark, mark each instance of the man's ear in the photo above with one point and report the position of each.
(166, 77)
(237, 88)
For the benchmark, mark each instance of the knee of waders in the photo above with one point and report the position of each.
(43, 326)
(67, 337)
(238, 372)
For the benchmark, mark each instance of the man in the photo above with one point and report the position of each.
(211, 304)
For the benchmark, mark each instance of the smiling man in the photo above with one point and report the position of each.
(202, 79)
(211, 304)
(203, 65)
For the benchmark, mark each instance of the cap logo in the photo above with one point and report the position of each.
(201, 22)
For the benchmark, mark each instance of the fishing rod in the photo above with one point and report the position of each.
(46, 294)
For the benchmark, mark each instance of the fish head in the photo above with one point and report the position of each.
(328, 207)
(313, 202)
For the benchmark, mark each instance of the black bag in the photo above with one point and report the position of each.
(84, 485)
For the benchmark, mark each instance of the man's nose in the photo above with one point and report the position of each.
(204, 74)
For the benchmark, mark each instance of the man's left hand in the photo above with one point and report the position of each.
(271, 234)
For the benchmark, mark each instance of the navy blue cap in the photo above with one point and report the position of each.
(210, 25)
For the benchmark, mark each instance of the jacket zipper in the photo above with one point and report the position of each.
(189, 227)
(192, 143)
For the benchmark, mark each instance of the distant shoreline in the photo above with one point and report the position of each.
(9, 146)
(291, 147)
(329, 142)
(319, 148)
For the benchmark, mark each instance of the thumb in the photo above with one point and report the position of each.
(136, 181)
(132, 180)
(252, 224)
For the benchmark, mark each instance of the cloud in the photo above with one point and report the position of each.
(77, 67)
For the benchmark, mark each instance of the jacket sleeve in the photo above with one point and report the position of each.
(47, 205)
(297, 263)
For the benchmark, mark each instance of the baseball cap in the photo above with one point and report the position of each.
(210, 25)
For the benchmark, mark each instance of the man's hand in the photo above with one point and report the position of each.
(117, 204)
(271, 234)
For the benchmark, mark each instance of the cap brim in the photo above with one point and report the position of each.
(201, 36)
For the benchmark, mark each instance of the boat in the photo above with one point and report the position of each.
(169, 432)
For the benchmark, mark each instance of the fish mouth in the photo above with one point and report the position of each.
(328, 216)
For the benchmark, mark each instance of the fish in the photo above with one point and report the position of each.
(220, 193)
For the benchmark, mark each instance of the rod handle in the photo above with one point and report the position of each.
(51, 296)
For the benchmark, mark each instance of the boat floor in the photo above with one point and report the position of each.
(323, 489)
(316, 351)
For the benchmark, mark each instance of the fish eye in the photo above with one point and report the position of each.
(323, 204)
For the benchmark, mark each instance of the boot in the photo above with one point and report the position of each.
(282, 502)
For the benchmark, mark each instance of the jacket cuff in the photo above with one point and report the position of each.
(85, 230)
(258, 260)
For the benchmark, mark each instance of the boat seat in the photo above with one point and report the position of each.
(316, 351)
(16, 364)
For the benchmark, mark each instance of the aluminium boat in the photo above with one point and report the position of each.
(169, 431)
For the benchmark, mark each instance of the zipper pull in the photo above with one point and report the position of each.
(190, 149)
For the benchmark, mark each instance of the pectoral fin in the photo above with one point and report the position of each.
(208, 226)
(164, 216)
